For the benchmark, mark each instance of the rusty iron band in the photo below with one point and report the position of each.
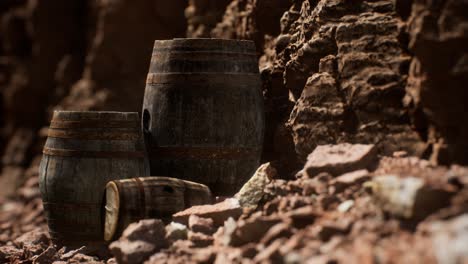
(204, 77)
(94, 124)
(93, 154)
(93, 135)
(204, 153)
(170, 51)
(71, 206)
(160, 57)
(141, 188)
(73, 234)
(186, 197)
(120, 190)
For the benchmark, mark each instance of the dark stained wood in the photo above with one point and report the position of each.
(131, 200)
(83, 152)
(203, 115)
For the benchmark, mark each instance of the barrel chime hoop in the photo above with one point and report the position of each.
(171, 51)
(205, 152)
(76, 206)
(76, 237)
(141, 188)
(93, 154)
(186, 198)
(93, 135)
(199, 77)
(94, 124)
(119, 191)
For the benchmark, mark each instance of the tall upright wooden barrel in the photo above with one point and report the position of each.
(203, 115)
(84, 151)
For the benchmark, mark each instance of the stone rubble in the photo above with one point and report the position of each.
(353, 217)
(339, 219)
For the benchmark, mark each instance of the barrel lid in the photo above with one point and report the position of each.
(205, 44)
(111, 211)
(95, 115)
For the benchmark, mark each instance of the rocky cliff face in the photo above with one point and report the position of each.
(359, 71)
(334, 71)
(438, 74)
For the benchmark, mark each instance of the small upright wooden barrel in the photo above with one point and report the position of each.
(131, 200)
(84, 151)
(203, 113)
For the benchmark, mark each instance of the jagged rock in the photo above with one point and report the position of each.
(270, 253)
(350, 178)
(176, 231)
(201, 225)
(225, 233)
(339, 159)
(111, 261)
(202, 16)
(132, 252)
(248, 19)
(275, 232)
(345, 206)
(303, 216)
(252, 230)
(450, 239)
(219, 212)
(200, 239)
(353, 177)
(408, 197)
(139, 241)
(205, 255)
(46, 257)
(72, 253)
(36, 239)
(436, 84)
(252, 192)
(317, 117)
(82, 258)
(10, 254)
(325, 230)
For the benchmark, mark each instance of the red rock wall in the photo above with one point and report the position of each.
(334, 71)
(385, 72)
(438, 76)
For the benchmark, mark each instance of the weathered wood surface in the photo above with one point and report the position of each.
(131, 200)
(83, 152)
(203, 114)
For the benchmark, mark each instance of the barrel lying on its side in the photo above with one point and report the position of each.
(84, 151)
(203, 112)
(130, 200)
